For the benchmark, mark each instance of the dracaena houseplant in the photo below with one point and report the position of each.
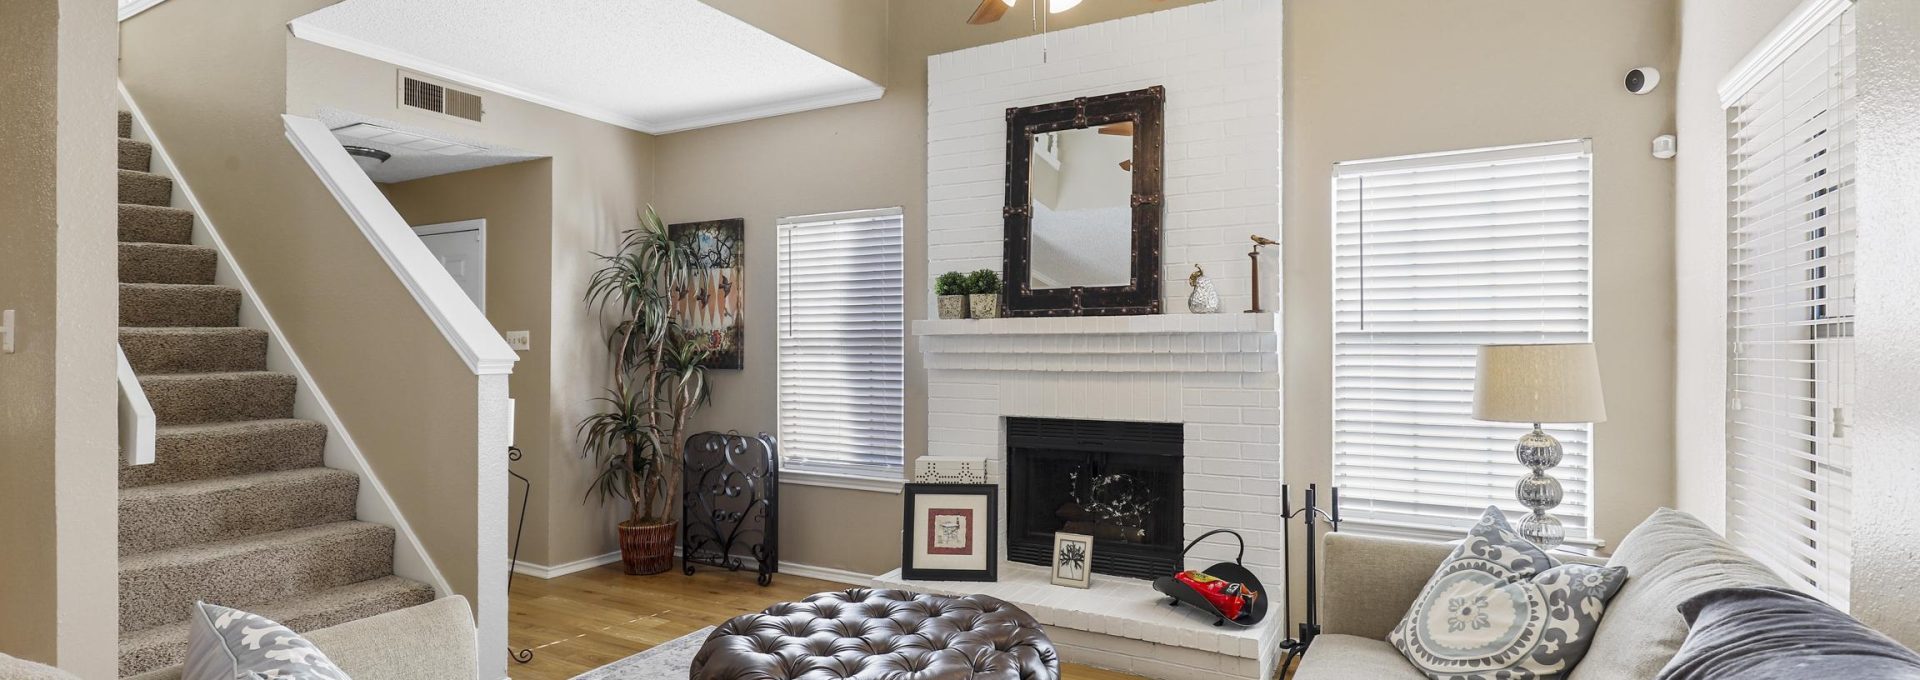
(658, 377)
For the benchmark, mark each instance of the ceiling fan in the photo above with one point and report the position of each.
(990, 11)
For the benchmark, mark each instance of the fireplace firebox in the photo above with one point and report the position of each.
(1119, 482)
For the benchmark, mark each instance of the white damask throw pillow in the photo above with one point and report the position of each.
(1500, 608)
(229, 644)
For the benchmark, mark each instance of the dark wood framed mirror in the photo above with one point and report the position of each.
(1084, 194)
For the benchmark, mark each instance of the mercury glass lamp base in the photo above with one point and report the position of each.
(1542, 530)
(1538, 491)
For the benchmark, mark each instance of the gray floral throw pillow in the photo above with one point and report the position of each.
(229, 644)
(1500, 608)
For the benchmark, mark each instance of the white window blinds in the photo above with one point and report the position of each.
(1435, 255)
(1790, 311)
(842, 328)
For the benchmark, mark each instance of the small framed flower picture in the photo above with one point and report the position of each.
(1072, 560)
(952, 532)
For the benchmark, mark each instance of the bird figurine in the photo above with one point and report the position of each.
(1205, 299)
(1254, 257)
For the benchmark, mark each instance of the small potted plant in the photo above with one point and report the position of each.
(983, 294)
(952, 289)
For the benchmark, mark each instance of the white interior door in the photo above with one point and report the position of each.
(461, 247)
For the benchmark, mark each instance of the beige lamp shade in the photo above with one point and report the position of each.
(1538, 384)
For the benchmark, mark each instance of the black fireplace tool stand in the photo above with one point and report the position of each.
(1311, 515)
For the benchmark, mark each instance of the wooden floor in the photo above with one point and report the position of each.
(582, 621)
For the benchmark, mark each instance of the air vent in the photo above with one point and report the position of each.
(438, 98)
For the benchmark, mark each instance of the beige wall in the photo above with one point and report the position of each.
(1546, 71)
(58, 583)
(1886, 540)
(516, 200)
(1392, 77)
(1714, 35)
(602, 177)
(870, 155)
(409, 401)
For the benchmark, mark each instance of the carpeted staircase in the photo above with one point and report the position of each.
(238, 508)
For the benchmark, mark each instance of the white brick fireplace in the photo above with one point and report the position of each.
(1217, 375)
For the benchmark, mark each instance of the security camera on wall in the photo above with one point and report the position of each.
(1643, 79)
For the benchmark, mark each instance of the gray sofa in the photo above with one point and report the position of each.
(1369, 583)
(434, 641)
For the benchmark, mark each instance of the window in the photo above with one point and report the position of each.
(841, 336)
(1435, 255)
(1790, 240)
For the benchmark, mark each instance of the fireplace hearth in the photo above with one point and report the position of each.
(1119, 482)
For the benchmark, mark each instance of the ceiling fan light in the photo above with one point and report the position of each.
(1009, 2)
(1058, 6)
(367, 158)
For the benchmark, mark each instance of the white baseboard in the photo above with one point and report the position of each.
(851, 578)
(544, 572)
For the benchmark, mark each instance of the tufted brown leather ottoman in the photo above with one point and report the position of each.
(864, 634)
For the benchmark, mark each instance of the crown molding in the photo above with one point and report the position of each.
(339, 41)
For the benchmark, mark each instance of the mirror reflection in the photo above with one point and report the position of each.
(1082, 189)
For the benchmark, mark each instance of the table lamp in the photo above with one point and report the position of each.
(1549, 383)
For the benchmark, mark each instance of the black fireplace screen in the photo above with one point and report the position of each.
(1119, 482)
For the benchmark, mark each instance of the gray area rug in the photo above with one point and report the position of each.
(670, 659)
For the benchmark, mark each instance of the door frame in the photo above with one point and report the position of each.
(479, 225)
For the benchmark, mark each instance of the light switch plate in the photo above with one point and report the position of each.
(520, 340)
(6, 331)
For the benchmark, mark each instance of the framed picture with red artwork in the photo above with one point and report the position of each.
(951, 532)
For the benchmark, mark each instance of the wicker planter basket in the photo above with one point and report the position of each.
(647, 548)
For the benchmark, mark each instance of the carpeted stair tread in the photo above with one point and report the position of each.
(167, 263)
(188, 452)
(145, 188)
(135, 155)
(165, 516)
(158, 351)
(178, 304)
(157, 587)
(164, 646)
(188, 398)
(155, 224)
(237, 507)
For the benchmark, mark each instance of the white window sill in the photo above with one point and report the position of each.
(1589, 547)
(841, 481)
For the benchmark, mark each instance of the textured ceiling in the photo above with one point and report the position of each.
(409, 164)
(656, 66)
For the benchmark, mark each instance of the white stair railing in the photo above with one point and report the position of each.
(137, 423)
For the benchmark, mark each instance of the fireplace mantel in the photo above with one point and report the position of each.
(1146, 324)
(1158, 343)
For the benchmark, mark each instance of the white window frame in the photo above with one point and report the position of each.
(1790, 309)
(1362, 482)
(885, 479)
